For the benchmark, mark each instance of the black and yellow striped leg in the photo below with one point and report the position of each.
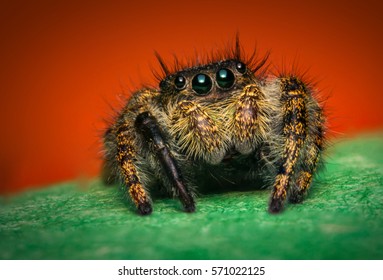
(301, 186)
(309, 165)
(294, 133)
(126, 157)
(149, 128)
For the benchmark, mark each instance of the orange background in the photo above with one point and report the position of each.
(62, 62)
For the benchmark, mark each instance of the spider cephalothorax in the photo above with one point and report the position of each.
(225, 118)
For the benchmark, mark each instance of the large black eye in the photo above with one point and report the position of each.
(225, 78)
(241, 67)
(201, 84)
(180, 82)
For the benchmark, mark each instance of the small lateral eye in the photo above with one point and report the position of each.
(180, 82)
(201, 84)
(225, 78)
(241, 67)
(162, 84)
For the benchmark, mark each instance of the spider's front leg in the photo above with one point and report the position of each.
(150, 130)
(294, 117)
(311, 153)
(126, 158)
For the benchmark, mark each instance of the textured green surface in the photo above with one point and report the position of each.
(341, 219)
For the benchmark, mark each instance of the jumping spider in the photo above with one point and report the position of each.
(224, 117)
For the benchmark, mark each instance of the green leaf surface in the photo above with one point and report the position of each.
(342, 218)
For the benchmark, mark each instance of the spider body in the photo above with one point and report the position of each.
(224, 119)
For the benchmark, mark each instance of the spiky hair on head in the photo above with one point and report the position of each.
(258, 65)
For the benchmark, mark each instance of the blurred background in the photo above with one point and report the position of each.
(64, 64)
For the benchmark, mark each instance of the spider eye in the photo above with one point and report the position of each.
(180, 82)
(225, 78)
(162, 84)
(201, 84)
(241, 67)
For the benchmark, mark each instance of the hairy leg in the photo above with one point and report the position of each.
(126, 156)
(149, 128)
(309, 163)
(294, 132)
